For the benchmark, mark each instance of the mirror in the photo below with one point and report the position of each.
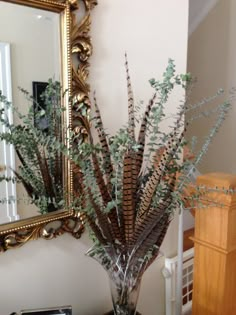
(20, 53)
(37, 43)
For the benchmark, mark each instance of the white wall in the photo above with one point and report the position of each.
(211, 58)
(44, 273)
(198, 10)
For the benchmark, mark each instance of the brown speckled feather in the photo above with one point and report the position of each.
(142, 133)
(144, 224)
(95, 229)
(99, 176)
(131, 126)
(154, 237)
(160, 237)
(129, 189)
(158, 173)
(117, 229)
(100, 180)
(103, 140)
(46, 176)
(102, 219)
(78, 184)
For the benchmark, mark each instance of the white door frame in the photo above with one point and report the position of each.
(8, 210)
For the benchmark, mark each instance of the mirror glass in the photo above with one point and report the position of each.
(29, 57)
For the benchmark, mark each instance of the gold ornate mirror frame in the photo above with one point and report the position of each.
(76, 46)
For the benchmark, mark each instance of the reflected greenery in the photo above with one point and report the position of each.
(37, 147)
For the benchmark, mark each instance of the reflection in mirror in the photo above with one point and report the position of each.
(8, 211)
(30, 52)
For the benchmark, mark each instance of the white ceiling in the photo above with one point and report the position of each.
(198, 10)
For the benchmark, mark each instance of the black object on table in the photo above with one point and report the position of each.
(112, 313)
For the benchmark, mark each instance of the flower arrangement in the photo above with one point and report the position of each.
(128, 188)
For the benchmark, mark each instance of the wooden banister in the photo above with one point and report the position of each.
(214, 284)
(187, 242)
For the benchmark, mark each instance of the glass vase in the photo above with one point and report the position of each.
(124, 277)
(124, 293)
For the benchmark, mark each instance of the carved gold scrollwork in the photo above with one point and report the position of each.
(90, 4)
(82, 49)
(47, 229)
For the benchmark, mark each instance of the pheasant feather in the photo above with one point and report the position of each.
(103, 140)
(100, 180)
(129, 188)
(142, 133)
(155, 240)
(99, 175)
(102, 219)
(95, 229)
(78, 184)
(153, 237)
(148, 223)
(116, 227)
(46, 176)
(131, 126)
(158, 173)
(157, 245)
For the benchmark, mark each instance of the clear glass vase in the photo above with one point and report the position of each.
(124, 276)
(124, 293)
